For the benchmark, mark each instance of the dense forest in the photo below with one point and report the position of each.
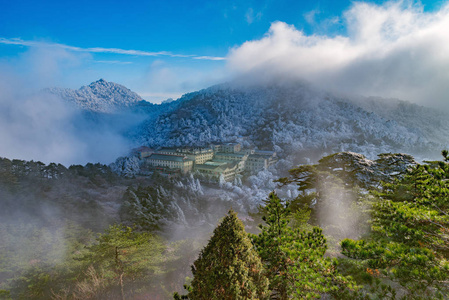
(355, 229)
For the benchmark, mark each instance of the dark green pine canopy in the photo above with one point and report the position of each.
(228, 267)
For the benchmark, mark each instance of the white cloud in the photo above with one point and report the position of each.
(164, 80)
(391, 50)
(44, 128)
(113, 62)
(310, 16)
(251, 17)
(36, 126)
(41, 67)
(20, 42)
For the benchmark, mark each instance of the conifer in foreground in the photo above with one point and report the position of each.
(294, 259)
(228, 267)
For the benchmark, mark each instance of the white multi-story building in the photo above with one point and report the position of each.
(214, 170)
(198, 155)
(226, 160)
(260, 160)
(178, 162)
(240, 158)
(228, 147)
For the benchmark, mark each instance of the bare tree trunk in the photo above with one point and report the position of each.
(121, 286)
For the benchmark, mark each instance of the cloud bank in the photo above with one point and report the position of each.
(392, 50)
(43, 127)
(37, 126)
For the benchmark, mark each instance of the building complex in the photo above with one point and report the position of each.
(219, 162)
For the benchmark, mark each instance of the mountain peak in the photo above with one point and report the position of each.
(99, 96)
(99, 81)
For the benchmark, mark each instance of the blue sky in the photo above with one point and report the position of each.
(180, 46)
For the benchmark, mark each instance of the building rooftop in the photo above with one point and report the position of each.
(216, 162)
(206, 167)
(227, 165)
(169, 157)
(187, 150)
(143, 149)
(167, 150)
(229, 154)
(259, 156)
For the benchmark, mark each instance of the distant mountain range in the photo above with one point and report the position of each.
(291, 118)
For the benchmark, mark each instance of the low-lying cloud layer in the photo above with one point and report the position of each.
(37, 126)
(43, 127)
(393, 50)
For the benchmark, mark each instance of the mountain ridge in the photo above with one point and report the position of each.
(292, 118)
(99, 96)
(288, 118)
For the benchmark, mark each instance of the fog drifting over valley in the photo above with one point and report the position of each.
(38, 126)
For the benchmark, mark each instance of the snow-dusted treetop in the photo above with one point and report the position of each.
(292, 118)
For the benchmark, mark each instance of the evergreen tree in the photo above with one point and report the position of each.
(269, 244)
(294, 259)
(409, 242)
(228, 267)
(123, 256)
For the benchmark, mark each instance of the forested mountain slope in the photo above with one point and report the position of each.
(291, 118)
(295, 117)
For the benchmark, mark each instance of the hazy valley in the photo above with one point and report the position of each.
(52, 213)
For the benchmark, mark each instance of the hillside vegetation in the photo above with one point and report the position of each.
(355, 229)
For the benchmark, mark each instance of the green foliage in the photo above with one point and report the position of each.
(122, 256)
(122, 250)
(294, 260)
(274, 235)
(299, 218)
(69, 263)
(33, 259)
(47, 194)
(335, 205)
(410, 232)
(5, 295)
(228, 267)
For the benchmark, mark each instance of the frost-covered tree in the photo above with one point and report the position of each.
(126, 166)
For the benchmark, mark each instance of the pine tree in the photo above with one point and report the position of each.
(409, 242)
(294, 259)
(123, 255)
(228, 267)
(269, 244)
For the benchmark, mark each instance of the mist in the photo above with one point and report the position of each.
(394, 50)
(340, 213)
(39, 126)
(43, 127)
